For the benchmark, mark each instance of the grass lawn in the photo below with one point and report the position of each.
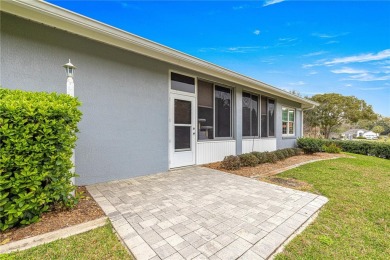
(355, 223)
(100, 243)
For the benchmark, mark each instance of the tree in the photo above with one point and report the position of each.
(378, 129)
(365, 124)
(295, 92)
(310, 123)
(385, 123)
(335, 109)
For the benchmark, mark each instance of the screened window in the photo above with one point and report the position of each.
(288, 121)
(214, 111)
(271, 117)
(223, 105)
(205, 110)
(267, 117)
(250, 115)
(182, 83)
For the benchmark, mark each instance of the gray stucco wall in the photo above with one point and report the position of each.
(124, 129)
(287, 142)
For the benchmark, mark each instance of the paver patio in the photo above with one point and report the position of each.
(200, 213)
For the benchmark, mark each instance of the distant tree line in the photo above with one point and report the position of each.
(337, 113)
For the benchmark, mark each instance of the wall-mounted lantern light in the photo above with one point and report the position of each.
(69, 68)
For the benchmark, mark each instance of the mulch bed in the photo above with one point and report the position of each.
(86, 210)
(267, 171)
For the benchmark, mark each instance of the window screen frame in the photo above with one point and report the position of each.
(232, 107)
(267, 121)
(258, 117)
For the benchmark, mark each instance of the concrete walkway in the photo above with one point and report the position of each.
(200, 213)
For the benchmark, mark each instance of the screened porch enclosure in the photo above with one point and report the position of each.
(227, 120)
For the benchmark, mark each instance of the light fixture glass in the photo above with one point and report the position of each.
(69, 69)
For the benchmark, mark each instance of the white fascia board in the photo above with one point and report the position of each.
(54, 16)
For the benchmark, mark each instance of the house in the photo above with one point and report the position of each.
(355, 133)
(370, 135)
(146, 108)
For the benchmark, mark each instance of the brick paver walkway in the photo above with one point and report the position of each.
(200, 213)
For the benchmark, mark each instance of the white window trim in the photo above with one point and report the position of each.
(288, 121)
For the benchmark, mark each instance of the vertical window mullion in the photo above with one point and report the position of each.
(214, 112)
(231, 114)
(250, 117)
(288, 121)
(267, 117)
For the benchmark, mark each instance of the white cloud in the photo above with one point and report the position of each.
(378, 88)
(331, 42)
(328, 36)
(317, 53)
(313, 72)
(299, 83)
(367, 77)
(347, 70)
(360, 75)
(368, 57)
(269, 60)
(348, 85)
(322, 35)
(385, 54)
(287, 39)
(306, 66)
(238, 7)
(238, 49)
(257, 32)
(271, 2)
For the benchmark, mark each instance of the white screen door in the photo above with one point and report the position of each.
(182, 131)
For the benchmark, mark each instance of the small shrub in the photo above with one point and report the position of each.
(290, 152)
(287, 152)
(231, 162)
(248, 159)
(331, 148)
(280, 154)
(297, 151)
(360, 137)
(262, 157)
(310, 145)
(271, 157)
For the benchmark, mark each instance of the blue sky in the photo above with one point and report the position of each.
(308, 46)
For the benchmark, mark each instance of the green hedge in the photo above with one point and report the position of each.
(252, 159)
(37, 135)
(371, 148)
